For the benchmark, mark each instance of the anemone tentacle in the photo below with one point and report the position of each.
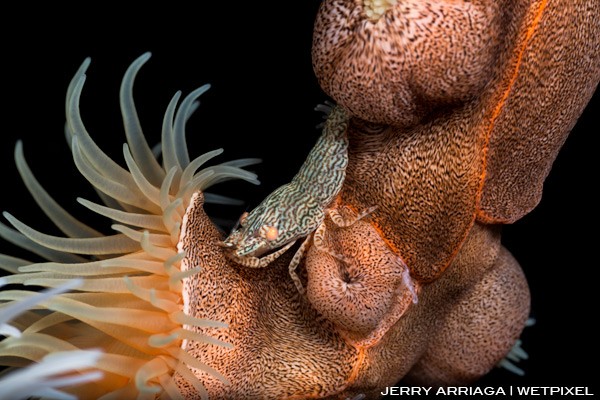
(128, 302)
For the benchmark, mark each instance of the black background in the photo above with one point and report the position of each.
(257, 57)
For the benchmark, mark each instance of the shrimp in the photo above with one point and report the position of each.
(297, 209)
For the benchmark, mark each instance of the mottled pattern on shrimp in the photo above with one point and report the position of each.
(298, 208)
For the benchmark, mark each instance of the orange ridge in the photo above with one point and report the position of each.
(496, 113)
(499, 107)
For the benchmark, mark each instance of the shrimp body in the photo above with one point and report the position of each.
(296, 209)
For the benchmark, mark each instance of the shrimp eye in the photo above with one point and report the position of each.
(269, 232)
(243, 218)
(272, 233)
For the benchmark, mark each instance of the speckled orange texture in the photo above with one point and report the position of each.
(460, 108)
(419, 56)
(365, 293)
(281, 345)
(553, 77)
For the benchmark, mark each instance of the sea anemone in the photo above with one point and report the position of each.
(130, 302)
(54, 370)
